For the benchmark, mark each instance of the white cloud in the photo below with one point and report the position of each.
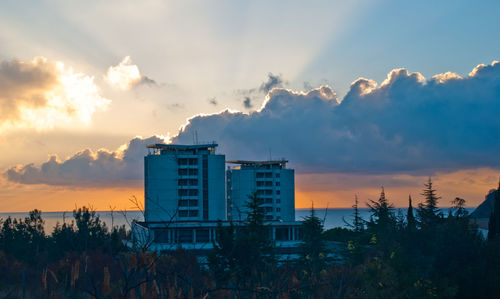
(42, 94)
(126, 75)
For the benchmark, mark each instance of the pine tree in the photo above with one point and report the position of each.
(428, 212)
(312, 247)
(382, 213)
(494, 223)
(357, 221)
(410, 218)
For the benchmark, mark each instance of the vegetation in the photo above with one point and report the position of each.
(389, 255)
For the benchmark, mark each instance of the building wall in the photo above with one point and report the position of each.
(274, 185)
(184, 186)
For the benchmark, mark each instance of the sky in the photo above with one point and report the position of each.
(355, 94)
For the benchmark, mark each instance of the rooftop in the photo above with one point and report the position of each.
(167, 147)
(281, 162)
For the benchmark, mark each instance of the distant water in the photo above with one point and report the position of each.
(332, 217)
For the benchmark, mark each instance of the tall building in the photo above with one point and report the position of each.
(272, 182)
(184, 183)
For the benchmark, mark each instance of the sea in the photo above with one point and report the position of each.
(332, 217)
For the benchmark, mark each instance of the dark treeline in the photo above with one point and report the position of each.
(425, 253)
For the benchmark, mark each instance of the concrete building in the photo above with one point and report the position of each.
(272, 181)
(184, 183)
(185, 197)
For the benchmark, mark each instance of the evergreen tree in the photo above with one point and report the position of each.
(382, 213)
(357, 221)
(410, 218)
(494, 223)
(428, 212)
(312, 247)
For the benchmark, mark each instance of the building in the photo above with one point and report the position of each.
(271, 181)
(184, 183)
(186, 199)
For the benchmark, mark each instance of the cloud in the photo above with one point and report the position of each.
(213, 101)
(41, 94)
(122, 167)
(272, 82)
(247, 102)
(126, 75)
(407, 124)
(407, 127)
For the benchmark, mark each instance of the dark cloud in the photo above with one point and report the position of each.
(89, 169)
(273, 81)
(146, 81)
(247, 102)
(406, 124)
(24, 84)
(213, 101)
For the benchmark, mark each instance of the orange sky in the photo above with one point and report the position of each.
(332, 190)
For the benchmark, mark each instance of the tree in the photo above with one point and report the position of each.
(410, 218)
(428, 212)
(458, 205)
(382, 214)
(357, 222)
(312, 247)
(494, 223)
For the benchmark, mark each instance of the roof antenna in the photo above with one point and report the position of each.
(270, 157)
(196, 137)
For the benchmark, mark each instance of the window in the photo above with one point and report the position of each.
(193, 213)
(183, 213)
(260, 175)
(202, 236)
(188, 192)
(182, 161)
(268, 209)
(193, 161)
(277, 183)
(268, 200)
(185, 235)
(187, 171)
(161, 236)
(277, 191)
(188, 203)
(269, 175)
(282, 234)
(269, 183)
(277, 175)
(278, 209)
(278, 200)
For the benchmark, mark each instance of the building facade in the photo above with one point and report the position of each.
(272, 182)
(184, 183)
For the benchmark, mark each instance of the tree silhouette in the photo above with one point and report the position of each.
(494, 223)
(410, 218)
(428, 212)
